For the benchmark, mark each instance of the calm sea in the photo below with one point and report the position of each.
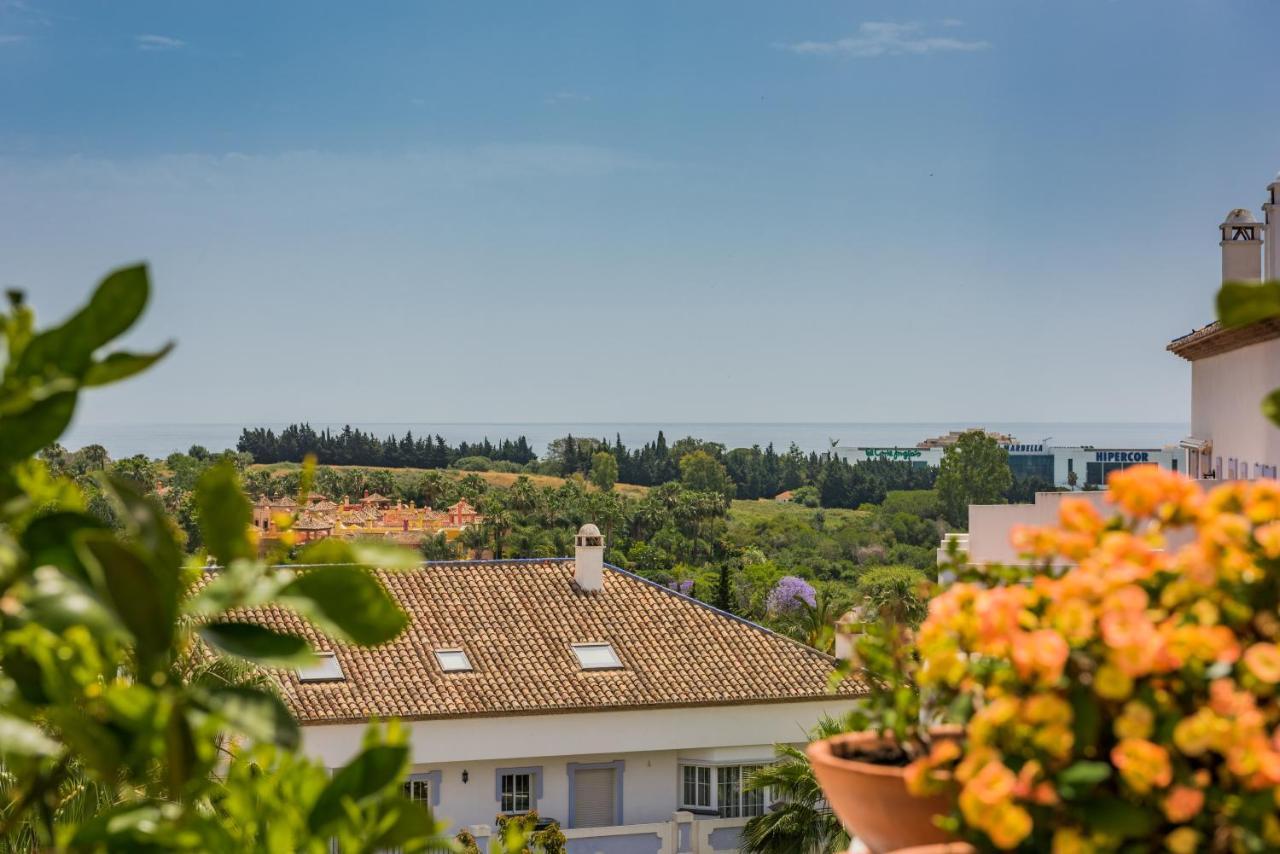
(159, 440)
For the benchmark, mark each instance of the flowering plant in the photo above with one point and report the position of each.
(1128, 701)
(789, 595)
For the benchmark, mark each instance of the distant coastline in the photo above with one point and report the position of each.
(160, 440)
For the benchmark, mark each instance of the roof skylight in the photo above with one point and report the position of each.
(596, 656)
(324, 668)
(453, 660)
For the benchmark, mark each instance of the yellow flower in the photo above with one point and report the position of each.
(1112, 683)
(1068, 840)
(1200, 732)
(1135, 721)
(1263, 661)
(1007, 825)
(1142, 764)
(1184, 840)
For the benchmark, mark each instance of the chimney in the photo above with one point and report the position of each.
(1271, 245)
(1241, 247)
(588, 559)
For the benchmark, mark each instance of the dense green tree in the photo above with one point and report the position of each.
(604, 470)
(701, 472)
(975, 470)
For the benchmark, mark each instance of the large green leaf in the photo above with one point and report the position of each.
(411, 828)
(345, 601)
(68, 349)
(122, 365)
(368, 774)
(24, 433)
(224, 513)
(258, 714)
(332, 550)
(150, 527)
(257, 643)
(180, 751)
(58, 601)
(49, 540)
(145, 609)
(1114, 817)
(1242, 303)
(23, 738)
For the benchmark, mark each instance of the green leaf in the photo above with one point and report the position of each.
(149, 526)
(1085, 773)
(49, 540)
(1241, 303)
(257, 643)
(59, 601)
(68, 349)
(258, 714)
(23, 738)
(347, 602)
(1271, 407)
(412, 828)
(180, 751)
(37, 426)
(131, 587)
(1119, 818)
(224, 513)
(368, 774)
(122, 365)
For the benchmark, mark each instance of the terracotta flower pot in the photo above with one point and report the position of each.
(872, 800)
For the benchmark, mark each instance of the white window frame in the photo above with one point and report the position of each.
(697, 785)
(713, 772)
(449, 663)
(581, 650)
(515, 793)
(418, 795)
(325, 667)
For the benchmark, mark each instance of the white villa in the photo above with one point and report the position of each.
(623, 710)
(1232, 370)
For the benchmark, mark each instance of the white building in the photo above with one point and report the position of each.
(1232, 370)
(625, 711)
(1059, 465)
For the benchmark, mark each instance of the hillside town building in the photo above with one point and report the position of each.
(373, 515)
(626, 711)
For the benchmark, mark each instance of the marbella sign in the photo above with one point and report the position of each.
(1024, 449)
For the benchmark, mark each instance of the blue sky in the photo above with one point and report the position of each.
(658, 211)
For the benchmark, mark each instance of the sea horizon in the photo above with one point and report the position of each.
(159, 439)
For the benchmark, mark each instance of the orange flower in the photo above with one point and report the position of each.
(1182, 804)
(1263, 661)
(1080, 516)
(1135, 721)
(1007, 825)
(1041, 654)
(1112, 683)
(1268, 537)
(1142, 764)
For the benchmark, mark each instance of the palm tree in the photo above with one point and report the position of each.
(799, 822)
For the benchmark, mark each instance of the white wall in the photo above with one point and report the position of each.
(1226, 393)
(649, 741)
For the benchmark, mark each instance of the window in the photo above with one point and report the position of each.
(453, 660)
(418, 790)
(730, 799)
(324, 668)
(516, 793)
(596, 656)
(697, 787)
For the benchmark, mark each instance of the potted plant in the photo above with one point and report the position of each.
(863, 771)
(1128, 702)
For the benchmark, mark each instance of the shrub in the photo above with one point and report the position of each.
(473, 464)
(894, 591)
(918, 502)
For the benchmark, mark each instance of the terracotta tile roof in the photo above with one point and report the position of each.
(516, 621)
(1214, 339)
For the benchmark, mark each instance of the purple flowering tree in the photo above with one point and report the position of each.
(789, 595)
